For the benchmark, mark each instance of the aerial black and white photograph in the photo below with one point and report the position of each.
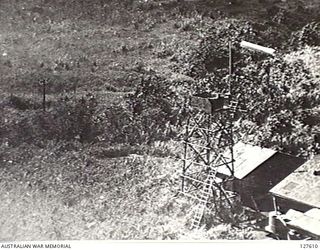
(162, 120)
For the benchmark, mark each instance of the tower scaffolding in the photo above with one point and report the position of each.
(208, 146)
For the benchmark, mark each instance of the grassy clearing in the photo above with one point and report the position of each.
(131, 198)
(120, 204)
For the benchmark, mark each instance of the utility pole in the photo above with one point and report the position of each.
(43, 83)
(230, 65)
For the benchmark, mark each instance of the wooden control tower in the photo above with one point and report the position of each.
(208, 146)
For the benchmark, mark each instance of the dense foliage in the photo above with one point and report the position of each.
(281, 98)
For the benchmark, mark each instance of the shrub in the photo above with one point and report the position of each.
(157, 106)
(22, 103)
(67, 119)
(308, 35)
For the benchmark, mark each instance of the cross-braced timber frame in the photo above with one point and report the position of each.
(208, 146)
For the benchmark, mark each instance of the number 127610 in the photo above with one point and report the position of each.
(309, 245)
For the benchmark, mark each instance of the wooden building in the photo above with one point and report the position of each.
(256, 171)
(297, 200)
(301, 189)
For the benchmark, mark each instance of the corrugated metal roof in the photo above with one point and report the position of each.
(247, 158)
(307, 222)
(302, 185)
(314, 212)
(293, 214)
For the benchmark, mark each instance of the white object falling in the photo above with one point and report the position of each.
(257, 47)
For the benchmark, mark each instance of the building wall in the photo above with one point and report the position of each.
(284, 205)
